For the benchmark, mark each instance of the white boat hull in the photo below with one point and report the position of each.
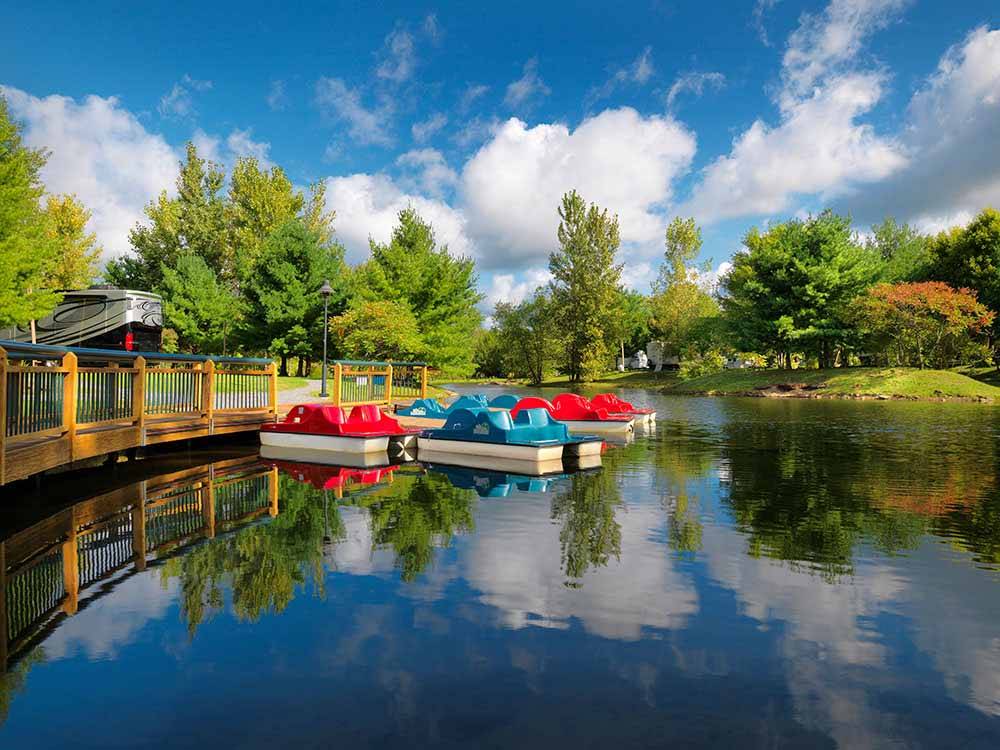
(490, 450)
(336, 443)
(579, 450)
(589, 427)
(508, 465)
(326, 458)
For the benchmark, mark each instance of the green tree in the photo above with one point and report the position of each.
(905, 252)
(79, 254)
(590, 533)
(789, 292)
(684, 314)
(683, 243)
(585, 282)
(373, 330)
(489, 354)
(528, 335)
(28, 251)
(969, 257)
(201, 309)
(260, 201)
(631, 321)
(193, 223)
(438, 288)
(283, 301)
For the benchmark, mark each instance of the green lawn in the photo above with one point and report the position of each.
(892, 382)
(290, 383)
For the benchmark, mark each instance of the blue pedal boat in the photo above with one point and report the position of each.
(490, 483)
(431, 408)
(530, 436)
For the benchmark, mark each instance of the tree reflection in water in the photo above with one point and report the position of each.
(416, 514)
(810, 491)
(14, 678)
(590, 534)
(264, 564)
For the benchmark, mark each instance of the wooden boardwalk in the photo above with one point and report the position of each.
(59, 406)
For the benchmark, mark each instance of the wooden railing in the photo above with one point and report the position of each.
(46, 569)
(60, 405)
(377, 382)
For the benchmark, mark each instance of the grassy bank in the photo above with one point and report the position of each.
(853, 382)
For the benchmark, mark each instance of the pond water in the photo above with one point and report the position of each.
(755, 573)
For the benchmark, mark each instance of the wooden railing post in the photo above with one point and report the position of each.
(272, 492)
(3, 414)
(3, 607)
(423, 382)
(71, 570)
(208, 394)
(139, 401)
(208, 504)
(70, 390)
(338, 370)
(139, 530)
(272, 387)
(388, 386)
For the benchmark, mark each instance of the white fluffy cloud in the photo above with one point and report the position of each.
(819, 148)
(511, 188)
(100, 152)
(368, 205)
(953, 139)
(825, 41)
(427, 169)
(507, 287)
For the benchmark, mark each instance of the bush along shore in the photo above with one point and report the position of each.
(865, 383)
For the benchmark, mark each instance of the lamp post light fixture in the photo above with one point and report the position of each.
(326, 290)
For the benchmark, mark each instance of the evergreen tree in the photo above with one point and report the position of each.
(76, 265)
(28, 251)
(198, 307)
(439, 288)
(283, 299)
(585, 284)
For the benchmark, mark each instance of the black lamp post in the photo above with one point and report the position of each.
(326, 290)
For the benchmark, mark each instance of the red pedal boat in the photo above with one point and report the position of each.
(615, 405)
(330, 428)
(578, 414)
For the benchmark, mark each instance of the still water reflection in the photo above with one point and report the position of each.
(754, 573)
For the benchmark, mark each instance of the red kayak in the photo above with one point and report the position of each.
(577, 413)
(322, 427)
(615, 405)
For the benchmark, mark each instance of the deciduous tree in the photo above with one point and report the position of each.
(790, 290)
(585, 281)
(529, 336)
(377, 330)
(921, 324)
(78, 254)
(28, 251)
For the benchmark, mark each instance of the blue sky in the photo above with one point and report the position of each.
(481, 115)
